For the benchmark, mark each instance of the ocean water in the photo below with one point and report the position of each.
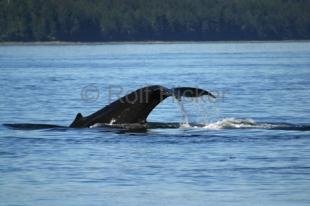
(250, 146)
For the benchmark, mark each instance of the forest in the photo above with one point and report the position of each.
(153, 20)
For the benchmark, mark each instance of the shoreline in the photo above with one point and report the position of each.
(145, 42)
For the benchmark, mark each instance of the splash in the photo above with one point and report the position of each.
(211, 119)
(185, 122)
(199, 113)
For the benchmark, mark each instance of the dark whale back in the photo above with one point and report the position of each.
(132, 108)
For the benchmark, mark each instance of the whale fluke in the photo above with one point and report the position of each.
(190, 92)
(136, 106)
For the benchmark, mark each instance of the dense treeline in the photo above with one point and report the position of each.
(117, 20)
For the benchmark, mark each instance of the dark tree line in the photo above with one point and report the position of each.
(126, 20)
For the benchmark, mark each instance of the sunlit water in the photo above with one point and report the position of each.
(249, 147)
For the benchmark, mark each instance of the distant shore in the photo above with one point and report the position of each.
(106, 21)
(144, 42)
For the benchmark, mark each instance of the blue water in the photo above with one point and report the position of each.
(252, 146)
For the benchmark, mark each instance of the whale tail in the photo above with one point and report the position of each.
(136, 106)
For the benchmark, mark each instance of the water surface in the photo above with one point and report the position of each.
(253, 147)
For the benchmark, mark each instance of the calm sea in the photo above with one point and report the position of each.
(249, 147)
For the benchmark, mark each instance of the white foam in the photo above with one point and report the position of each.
(233, 123)
(97, 125)
(228, 123)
